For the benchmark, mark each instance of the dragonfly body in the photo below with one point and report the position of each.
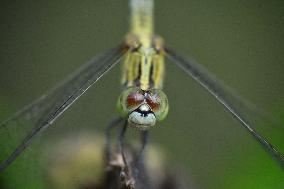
(143, 101)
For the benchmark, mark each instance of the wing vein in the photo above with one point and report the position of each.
(219, 91)
(83, 79)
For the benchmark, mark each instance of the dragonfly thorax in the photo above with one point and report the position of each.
(143, 63)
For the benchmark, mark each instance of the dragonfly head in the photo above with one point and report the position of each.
(143, 108)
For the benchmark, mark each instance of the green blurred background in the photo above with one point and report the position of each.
(240, 41)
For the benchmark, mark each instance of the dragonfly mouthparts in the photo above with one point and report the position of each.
(142, 118)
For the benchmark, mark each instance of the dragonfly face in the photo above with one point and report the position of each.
(143, 108)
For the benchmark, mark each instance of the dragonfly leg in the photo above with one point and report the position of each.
(114, 123)
(126, 173)
(118, 170)
(141, 154)
(121, 143)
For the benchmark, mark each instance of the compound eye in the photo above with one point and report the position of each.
(129, 100)
(153, 101)
(158, 102)
(134, 99)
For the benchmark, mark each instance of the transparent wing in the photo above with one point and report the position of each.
(242, 110)
(40, 114)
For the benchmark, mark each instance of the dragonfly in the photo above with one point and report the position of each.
(143, 103)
